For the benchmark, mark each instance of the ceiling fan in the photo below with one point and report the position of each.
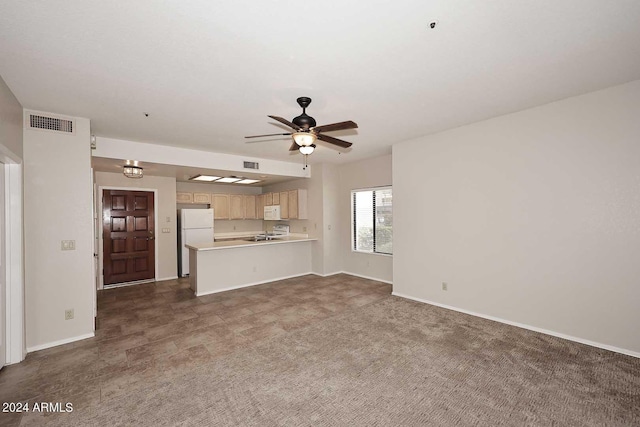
(305, 132)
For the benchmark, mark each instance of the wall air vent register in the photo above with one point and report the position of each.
(251, 165)
(50, 123)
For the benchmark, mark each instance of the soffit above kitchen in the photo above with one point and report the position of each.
(203, 75)
(184, 173)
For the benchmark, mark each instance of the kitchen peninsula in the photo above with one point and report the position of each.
(224, 265)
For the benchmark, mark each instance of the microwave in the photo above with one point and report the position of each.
(272, 213)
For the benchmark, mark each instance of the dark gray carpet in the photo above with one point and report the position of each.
(391, 363)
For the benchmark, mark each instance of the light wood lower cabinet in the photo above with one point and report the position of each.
(250, 206)
(220, 205)
(236, 203)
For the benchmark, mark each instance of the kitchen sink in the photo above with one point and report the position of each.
(257, 238)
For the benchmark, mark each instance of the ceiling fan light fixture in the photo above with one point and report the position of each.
(307, 149)
(304, 139)
(131, 171)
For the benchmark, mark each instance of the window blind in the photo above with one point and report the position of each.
(373, 220)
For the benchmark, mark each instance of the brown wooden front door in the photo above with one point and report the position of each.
(128, 235)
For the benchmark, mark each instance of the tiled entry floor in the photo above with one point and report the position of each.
(145, 330)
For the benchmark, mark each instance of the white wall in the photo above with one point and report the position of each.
(368, 173)
(323, 219)
(530, 217)
(315, 223)
(57, 206)
(166, 209)
(329, 194)
(221, 270)
(332, 219)
(10, 122)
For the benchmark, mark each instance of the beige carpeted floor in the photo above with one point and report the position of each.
(392, 363)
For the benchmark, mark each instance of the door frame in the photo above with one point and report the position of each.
(16, 349)
(100, 225)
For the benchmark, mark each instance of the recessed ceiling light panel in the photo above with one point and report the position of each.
(248, 181)
(205, 178)
(228, 180)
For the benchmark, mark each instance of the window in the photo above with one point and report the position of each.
(372, 220)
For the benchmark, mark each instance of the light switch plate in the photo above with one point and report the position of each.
(68, 245)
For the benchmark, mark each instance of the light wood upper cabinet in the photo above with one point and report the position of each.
(182, 197)
(236, 203)
(293, 204)
(203, 198)
(298, 204)
(283, 196)
(260, 206)
(250, 206)
(220, 205)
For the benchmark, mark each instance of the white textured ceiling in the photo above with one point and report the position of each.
(209, 72)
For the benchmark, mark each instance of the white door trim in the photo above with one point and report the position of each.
(101, 225)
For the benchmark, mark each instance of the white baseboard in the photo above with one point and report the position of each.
(60, 342)
(353, 274)
(525, 326)
(166, 278)
(246, 285)
(368, 277)
(328, 274)
(231, 288)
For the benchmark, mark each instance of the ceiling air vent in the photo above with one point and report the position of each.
(38, 121)
(251, 165)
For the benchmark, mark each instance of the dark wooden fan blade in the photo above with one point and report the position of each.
(294, 147)
(285, 122)
(336, 126)
(271, 134)
(335, 141)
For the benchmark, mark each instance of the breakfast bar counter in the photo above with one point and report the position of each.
(230, 264)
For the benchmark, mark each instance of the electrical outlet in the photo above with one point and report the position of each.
(444, 286)
(234, 228)
(68, 314)
(304, 229)
(168, 219)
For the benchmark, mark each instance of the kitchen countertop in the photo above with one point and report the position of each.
(239, 243)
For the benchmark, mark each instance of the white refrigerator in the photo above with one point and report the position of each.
(196, 226)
